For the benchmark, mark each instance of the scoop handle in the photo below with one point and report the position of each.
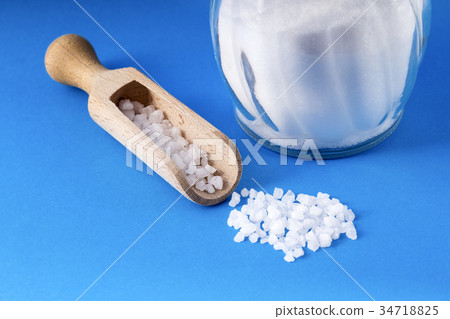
(71, 60)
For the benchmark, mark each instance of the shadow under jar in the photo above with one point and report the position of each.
(338, 72)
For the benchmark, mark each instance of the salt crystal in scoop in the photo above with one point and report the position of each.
(169, 138)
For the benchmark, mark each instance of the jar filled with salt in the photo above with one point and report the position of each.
(337, 72)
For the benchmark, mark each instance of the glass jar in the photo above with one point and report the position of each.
(338, 72)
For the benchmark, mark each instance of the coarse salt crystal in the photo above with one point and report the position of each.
(288, 197)
(277, 193)
(201, 185)
(325, 240)
(239, 237)
(272, 239)
(210, 169)
(125, 105)
(156, 117)
(273, 212)
(201, 172)
(130, 114)
(175, 132)
(351, 233)
(217, 182)
(315, 211)
(210, 188)
(313, 245)
(138, 106)
(298, 252)
(191, 169)
(248, 229)
(245, 192)
(289, 257)
(191, 180)
(253, 238)
(299, 211)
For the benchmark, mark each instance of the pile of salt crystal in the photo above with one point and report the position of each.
(189, 158)
(290, 222)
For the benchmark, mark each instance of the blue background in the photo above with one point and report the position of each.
(69, 206)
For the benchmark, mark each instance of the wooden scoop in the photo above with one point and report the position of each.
(71, 60)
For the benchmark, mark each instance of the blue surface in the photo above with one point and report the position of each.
(69, 205)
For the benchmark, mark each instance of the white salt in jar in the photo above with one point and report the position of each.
(335, 71)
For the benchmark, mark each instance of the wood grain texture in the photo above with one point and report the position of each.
(71, 60)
